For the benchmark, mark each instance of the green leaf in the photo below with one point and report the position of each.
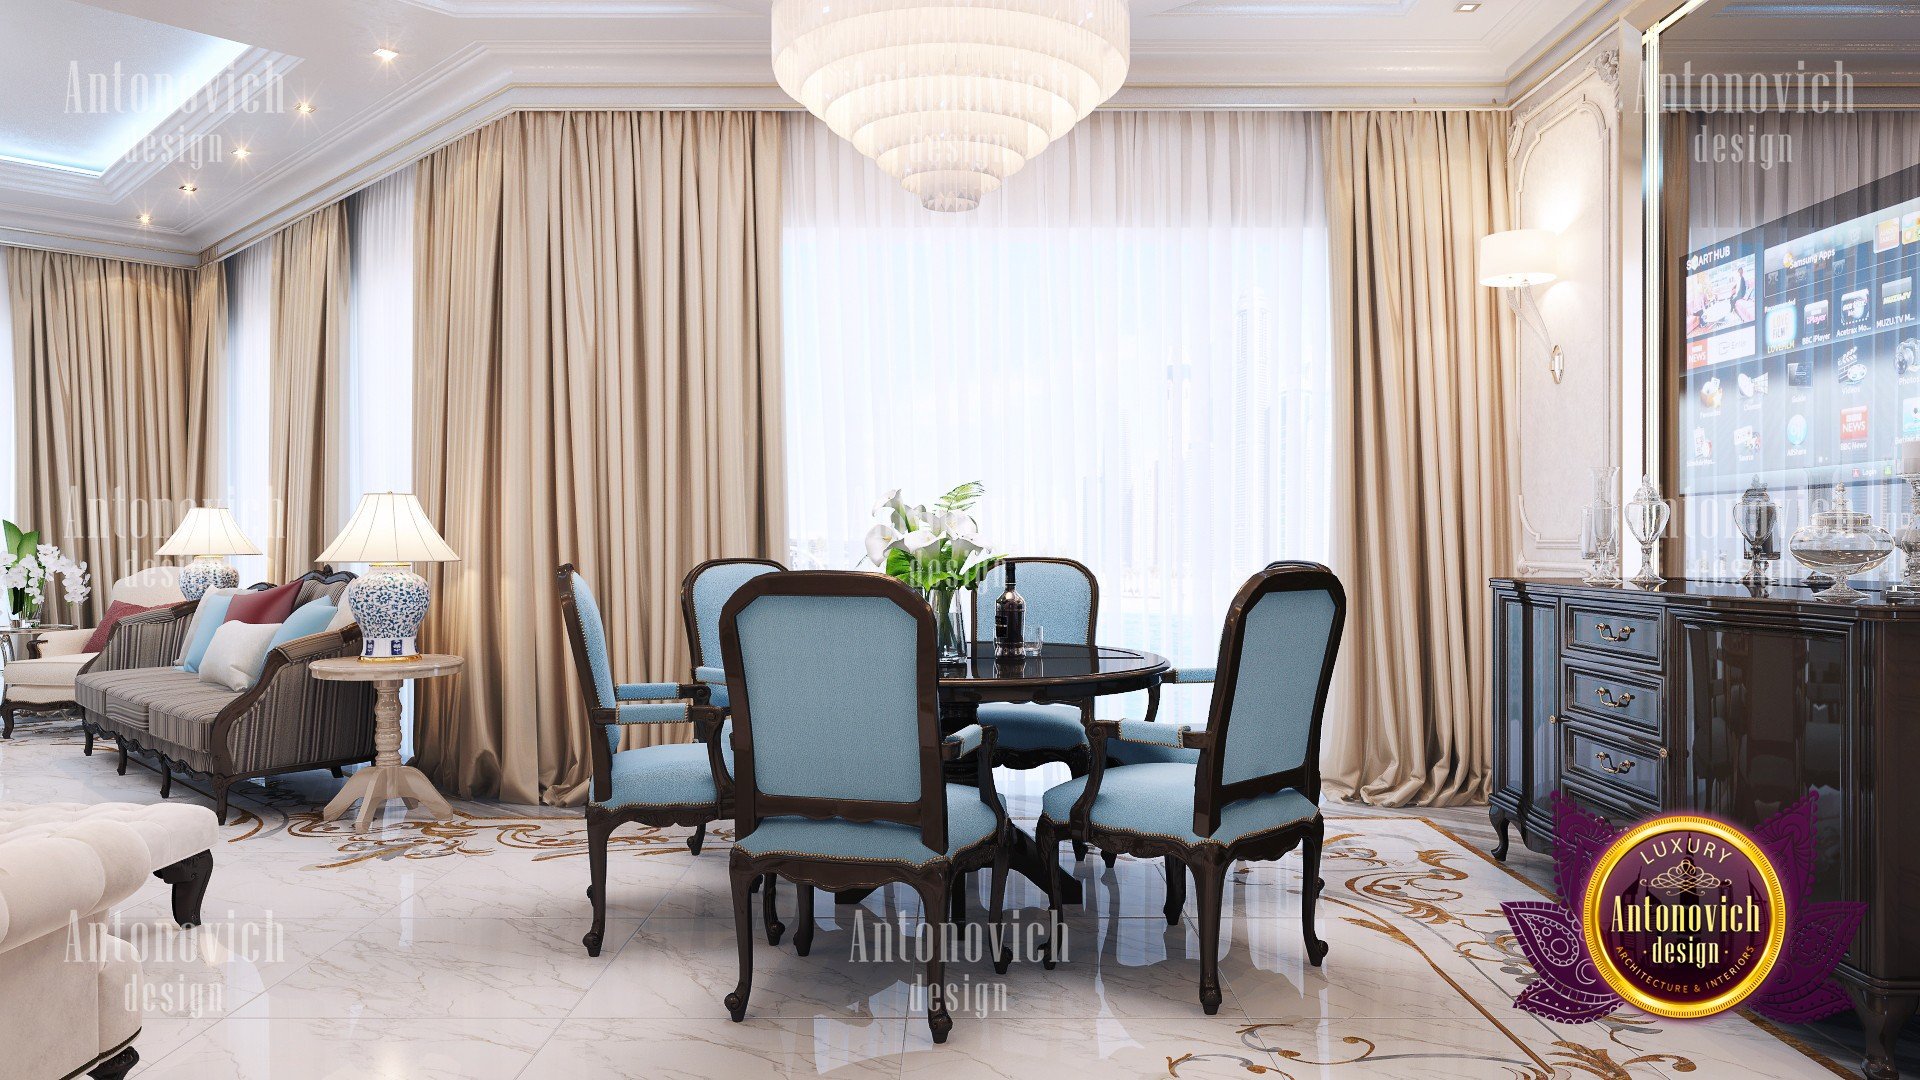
(963, 496)
(13, 538)
(29, 542)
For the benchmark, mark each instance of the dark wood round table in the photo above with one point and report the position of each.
(1059, 674)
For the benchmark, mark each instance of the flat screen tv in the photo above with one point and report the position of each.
(1800, 365)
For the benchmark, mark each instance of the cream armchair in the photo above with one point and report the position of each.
(44, 682)
(69, 991)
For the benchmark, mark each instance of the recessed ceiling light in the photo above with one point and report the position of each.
(241, 153)
(386, 56)
(189, 188)
(304, 108)
(1469, 6)
(146, 219)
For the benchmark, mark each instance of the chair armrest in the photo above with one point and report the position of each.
(1146, 733)
(711, 675)
(150, 639)
(335, 717)
(961, 743)
(1189, 675)
(662, 691)
(61, 643)
(665, 712)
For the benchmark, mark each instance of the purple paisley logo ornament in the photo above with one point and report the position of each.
(1683, 916)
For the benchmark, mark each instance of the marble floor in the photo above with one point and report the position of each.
(452, 949)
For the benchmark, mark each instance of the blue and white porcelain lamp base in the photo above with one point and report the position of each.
(389, 602)
(207, 572)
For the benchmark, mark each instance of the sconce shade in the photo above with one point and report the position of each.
(1518, 258)
(208, 530)
(388, 527)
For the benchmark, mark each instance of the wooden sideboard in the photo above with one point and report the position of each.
(1707, 696)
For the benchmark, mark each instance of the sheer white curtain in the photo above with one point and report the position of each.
(380, 340)
(249, 372)
(1128, 344)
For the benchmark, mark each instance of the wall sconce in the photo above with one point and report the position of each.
(1514, 262)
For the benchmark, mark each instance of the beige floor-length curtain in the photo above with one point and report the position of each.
(1421, 517)
(306, 427)
(206, 383)
(105, 370)
(596, 381)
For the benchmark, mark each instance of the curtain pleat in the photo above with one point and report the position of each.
(106, 374)
(596, 381)
(1421, 514)
(306, 442)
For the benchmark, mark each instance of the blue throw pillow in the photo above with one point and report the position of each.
(213, 612)
(309, 618)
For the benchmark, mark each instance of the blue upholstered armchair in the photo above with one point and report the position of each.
(669, 784)
(1063, 597)
(703, 593)
(838, 756)
(1253, 791)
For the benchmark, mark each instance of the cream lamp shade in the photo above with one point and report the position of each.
(208, 530)
(388, 527)
(1518, 258)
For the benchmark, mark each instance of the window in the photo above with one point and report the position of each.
(1128, 344)
(249, 403)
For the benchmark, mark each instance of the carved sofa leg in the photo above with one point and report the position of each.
(116, 1066)
(189, 879)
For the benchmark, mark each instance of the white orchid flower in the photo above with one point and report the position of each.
(881, 539)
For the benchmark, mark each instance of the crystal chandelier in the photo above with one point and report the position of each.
(950, 97)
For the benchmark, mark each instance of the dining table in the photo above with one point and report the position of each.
(1047, 674)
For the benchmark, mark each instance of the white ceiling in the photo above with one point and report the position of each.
(464, 62)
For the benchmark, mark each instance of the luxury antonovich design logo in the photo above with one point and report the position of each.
(1683, 916)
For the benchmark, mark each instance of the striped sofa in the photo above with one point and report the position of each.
(287, 722)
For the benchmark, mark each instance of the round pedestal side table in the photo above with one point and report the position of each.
(386, 778)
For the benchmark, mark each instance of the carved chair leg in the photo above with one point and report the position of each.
(803, 929)
(121, 768)
(1209, 867)
(770, 907)
(599, 831)
(957, 902)
(1077, 766)
(1176, 891)
(189, 878)
(741, 879)
(1108, 857)
(698, 838)
(116, 1066)
(86, 749)
(1310, 885)
(1049, 844)
(220, 801)
(934, 900)
(998, 927)
(1883, 1016)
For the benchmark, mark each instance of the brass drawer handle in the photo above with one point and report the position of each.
(1607, 765)
(1606, 698)
(1605, 630)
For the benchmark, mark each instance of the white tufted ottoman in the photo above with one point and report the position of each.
(179, 840)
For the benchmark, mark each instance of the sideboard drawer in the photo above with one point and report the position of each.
(1625, 769)
(1621, 633)
(1615, 700)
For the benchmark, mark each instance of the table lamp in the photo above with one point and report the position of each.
(209, 534)
(389, 530)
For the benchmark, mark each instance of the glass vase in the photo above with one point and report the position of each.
(952, 644)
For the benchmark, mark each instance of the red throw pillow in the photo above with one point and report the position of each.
(268, 606)
(116, 611)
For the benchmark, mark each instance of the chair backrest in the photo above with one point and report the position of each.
(1277, 652)
(835, 694)
(586, 637)
(704, 592)
(150, 587)
(1062, 597)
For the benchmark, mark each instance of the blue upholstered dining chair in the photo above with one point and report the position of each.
(1063, 598)
(838, 752)
(1253, 792)
(669, 784)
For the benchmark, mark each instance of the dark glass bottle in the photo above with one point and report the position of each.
(1009, 619)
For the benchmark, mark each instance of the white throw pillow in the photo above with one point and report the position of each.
(193, 624)
(236, 653)
(343, 617)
